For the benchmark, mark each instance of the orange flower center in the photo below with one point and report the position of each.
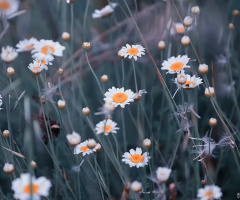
(136, 158)
(27, 189)
(28, 47)
(84, 149)
(37, 68)
(119, 97)
(133, 51)
(188, 83)
(47, 50)
(176, 66)
(4, 5)
(180, 29)
(107, 128)
(208, 194)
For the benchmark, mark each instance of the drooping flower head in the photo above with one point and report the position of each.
(119, 97)
(106, 126)
(74, 138)
(22, 187)
(133, 51)
(8, 54)
(8, 7)
(84, 149)
(26, 45)
(46, 49)
(190, 83)
(175, 64)
(104, 12)
(209, 192)
(163, 174)
(136, 158)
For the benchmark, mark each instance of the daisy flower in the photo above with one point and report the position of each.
(74, 138)
(84, 149)
(209, 192)
(136, 158)
(119, 97)
(22, 187)
(104, 12)
(163, 174)
(175, 64)
(8, 54)
(191, 82)
(46, 49)
(133, 51)
(36, 67)
(26, 45)
(106, 127)
(8, 7)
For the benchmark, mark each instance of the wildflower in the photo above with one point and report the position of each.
(66, 36)
(84, 149)
(161, 45)
(106, 127)
(147, 143)
(22, 187)
(26, 45)
(175, 64)
(191, 82)
(60, 71)
(209, 192)
(235, 12)
(136, 158)
(181, 78)
(86, 45)
(104, 12)
(74, 138)
(136, 186)
(106, 109)
(8, 168)
(10, 71)
(185, 41)
(33, 164)
(46, 49)
(178, 28)
(6, 133)
(230, 26)
(209, 92)
(209, 147)
(133, 51)
(195, 10)
(187, 21)
(61, 104)
(91, 143)
(8, 7)
(86, 111)
(203, 69)
(138, 95)
(119, 97)
(8, 54)
(98, 147)
(163, 174)
(212, 122)
(104, 78)
(36, 67)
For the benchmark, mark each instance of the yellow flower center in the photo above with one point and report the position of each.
(4, 5)
(107, 128)
(28, 47)
(208, 194)
(84, 149)
(180, 29)
(27, 189)
(187, 83)
(136, 158)
(176, 66)
(133, 51)
(47, 49)
(119, 97)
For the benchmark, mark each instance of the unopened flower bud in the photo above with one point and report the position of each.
(10, 71)
(185, 41)
(181, 78)
(195, 10)
(203, 69)
(136, 186)
(8, 168)
(33, 164)
(61, 104)
(187, 21)
(86, 45)
(235, 12)
(161, 45)
(91, 143)
(230, 26)
(66, 36)
(98, 147)
(60, 71)
(209, 92)
(147, 143)
(212, 122)
(6, 133)
(104, 78)
(85, 111)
